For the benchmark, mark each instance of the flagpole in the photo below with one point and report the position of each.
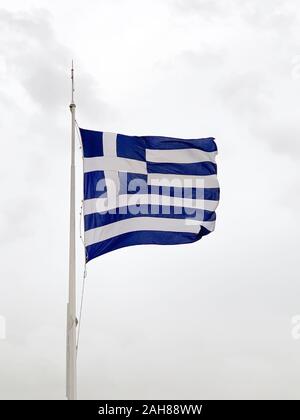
(71, 377)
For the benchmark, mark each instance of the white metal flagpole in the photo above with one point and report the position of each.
(71, 383)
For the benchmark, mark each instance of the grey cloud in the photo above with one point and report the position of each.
(264, 98)
(34, 56)
(202, 60)
(244, 93)
(282, 134)
(277, 15)
(40, 63)
(17, 212)
(249, 97)
(207, 8)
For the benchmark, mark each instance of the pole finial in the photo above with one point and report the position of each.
(73, 88)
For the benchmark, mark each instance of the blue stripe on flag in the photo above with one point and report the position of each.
(131, 183)
(94, 220)
(142, 237)
(164, 143)
(202, 168)
(196, 193)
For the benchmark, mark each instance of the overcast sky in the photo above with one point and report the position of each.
(206, 320)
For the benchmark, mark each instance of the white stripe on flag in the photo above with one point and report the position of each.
(179, 156)
(109, 141)
(98, 205)
(112, 181)
(103, 163)
(111, 230)
(184, 181)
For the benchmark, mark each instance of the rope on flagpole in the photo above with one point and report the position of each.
(81, 306)
(81, 208)
(78, 136)
(82, 240)
(83, 280)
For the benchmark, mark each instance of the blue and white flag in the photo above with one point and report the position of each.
(147, 190)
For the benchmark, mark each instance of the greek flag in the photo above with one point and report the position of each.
(146, 190)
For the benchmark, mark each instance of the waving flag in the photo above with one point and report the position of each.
(147, 190)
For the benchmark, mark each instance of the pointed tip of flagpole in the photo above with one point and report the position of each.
(73, 88)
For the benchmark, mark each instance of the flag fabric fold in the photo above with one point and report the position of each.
(146, 190)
